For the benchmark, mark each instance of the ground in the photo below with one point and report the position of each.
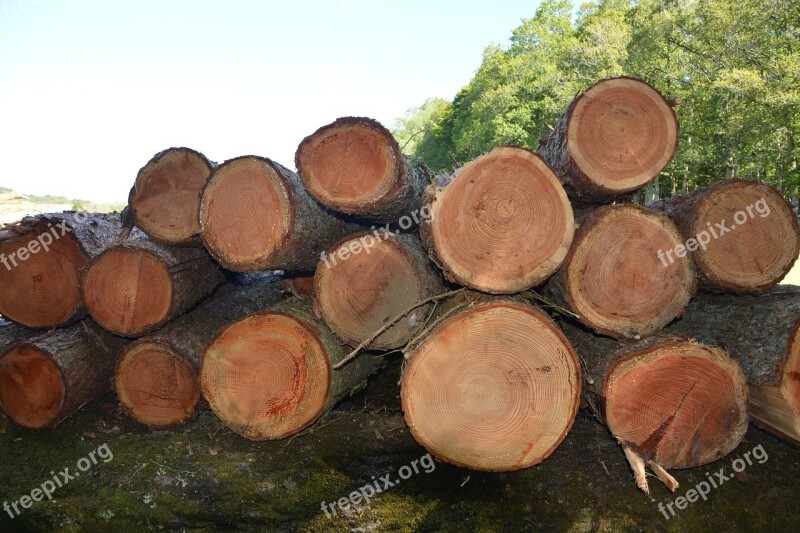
(203, 477)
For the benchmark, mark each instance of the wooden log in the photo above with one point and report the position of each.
(269, 375)
(502, 224)
(165, 198)
(742, 234)
(669, 401)
(615, 137)
(613, 278)
(139, 285)
(11, 333)
(42, 257)
(157, 379)
(256, 215)
(47, 378)
(355, 166)
(762, 332)
(371, 278)
(494, 387)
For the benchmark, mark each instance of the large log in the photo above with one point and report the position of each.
(270, 375)
(42, 257)
(256, 215)
(762, 332)
(355, 166)
(494, 387)
(615, 137)
(669, 401)
(157, 379)
(371, 278)
(742, 234)
(45, 379)
(165, 197)
(612, 277)
(139, 285)
(501, 225)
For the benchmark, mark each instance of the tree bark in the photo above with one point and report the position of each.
(742, 235)
(139, 285)
(355, 166)
(494, 387)
(616, 277)
(615, 137)
(42, 257)
(501, 225)
(669, 401)
(45, 379)
(256, 215)
(270, 375)
(762, 332)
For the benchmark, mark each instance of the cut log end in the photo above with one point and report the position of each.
(790, 382)
(350, 165)
(245, 213)
(504, 224)
(621, 134)
(677, 423)
(157, 387)
(128, 291)
(32, 389)
(495, 388)
(267, 376)
(41, 291)
(166, 195)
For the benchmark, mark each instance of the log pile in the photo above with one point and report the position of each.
(514, 287)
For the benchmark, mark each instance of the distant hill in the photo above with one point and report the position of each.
(15, 206)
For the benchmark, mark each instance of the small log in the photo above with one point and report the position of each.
(165, 198)
(503, 223)
(370, 278)
(669, 401)
(762, 332)
(613, 278)
(256, 215)
(494, 387)
(139, 285)
(355, 166)
(47, 378)
(615, 137)
(41, 258)
(269, 375)
(157, 378)
(743, 235)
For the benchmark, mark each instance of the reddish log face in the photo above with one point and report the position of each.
(31, 387)
(790, 384)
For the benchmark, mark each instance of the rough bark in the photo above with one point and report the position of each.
(11, 334)
(614, 138)
(256, 215)
(49, 377)
(355, 166)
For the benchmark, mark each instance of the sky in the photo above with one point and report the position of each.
(90, 90)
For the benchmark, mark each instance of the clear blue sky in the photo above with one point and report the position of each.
(90, 89)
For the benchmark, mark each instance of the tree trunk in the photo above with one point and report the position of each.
(42, 257)
(369, 279)
(137, 286)
(615, 137)
(616, 277)
(157, 378)
(503, 223)
(165, 198)
(495, 386)
(355, 166)
(742, 235)
(49, 377)
(256, 215)
(762, 332)
(269, 375)
(669, 401)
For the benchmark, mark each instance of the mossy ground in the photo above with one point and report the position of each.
(202, 477)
